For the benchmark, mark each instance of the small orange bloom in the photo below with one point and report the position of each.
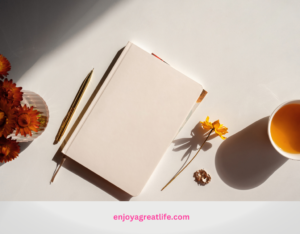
(9, 149)
(206, 124)
(7, 118)
(4, 66)
(27, 120)
(219, 129)
(10, 92)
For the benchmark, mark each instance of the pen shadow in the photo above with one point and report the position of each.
(247, 159)
(77, 168)
(192, 144)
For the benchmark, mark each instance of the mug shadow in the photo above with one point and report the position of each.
(247, 159)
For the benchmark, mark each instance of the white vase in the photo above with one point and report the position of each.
(38, 103)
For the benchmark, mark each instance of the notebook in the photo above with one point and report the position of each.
(133, 119)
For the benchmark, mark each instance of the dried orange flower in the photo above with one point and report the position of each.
(219, 129)
(202, 177)
(9, 149)
(4, 66)
(27, 120)
(206, 124)
(10, 92)
(7, 118)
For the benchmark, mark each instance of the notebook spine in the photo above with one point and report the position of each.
(97, 97)
(159, 58)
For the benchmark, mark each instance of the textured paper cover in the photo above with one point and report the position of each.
(133, 119)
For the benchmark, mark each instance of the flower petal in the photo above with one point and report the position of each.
(206, 124)
(216, 124)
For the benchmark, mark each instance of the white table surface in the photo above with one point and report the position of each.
(245, 53)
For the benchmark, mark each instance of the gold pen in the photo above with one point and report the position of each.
(73, 107)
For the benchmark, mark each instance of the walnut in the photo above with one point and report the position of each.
(202, 177)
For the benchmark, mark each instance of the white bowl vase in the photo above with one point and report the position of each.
(38, 103)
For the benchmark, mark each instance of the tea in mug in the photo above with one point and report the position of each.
(285, 128)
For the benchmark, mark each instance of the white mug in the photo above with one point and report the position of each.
(286, 154)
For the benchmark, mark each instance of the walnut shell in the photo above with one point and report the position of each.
(202, 177)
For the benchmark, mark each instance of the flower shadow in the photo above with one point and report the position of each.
(198, 135)
(247, 159)
(192, 144)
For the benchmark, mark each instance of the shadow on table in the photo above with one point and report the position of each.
(192, 144)
(32, 28)
(198, 135)
(24, 145)
(80, 170)
(91, 177)
(247, 159)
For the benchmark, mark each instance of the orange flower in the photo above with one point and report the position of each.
(9, 149)
(4, 66)
(27, 120)
(10, 92)
(7, 118)
(219, 129)
(206, 124)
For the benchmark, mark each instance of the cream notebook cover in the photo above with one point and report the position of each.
(133, 119)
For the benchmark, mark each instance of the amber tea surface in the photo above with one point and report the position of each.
(285, 128)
